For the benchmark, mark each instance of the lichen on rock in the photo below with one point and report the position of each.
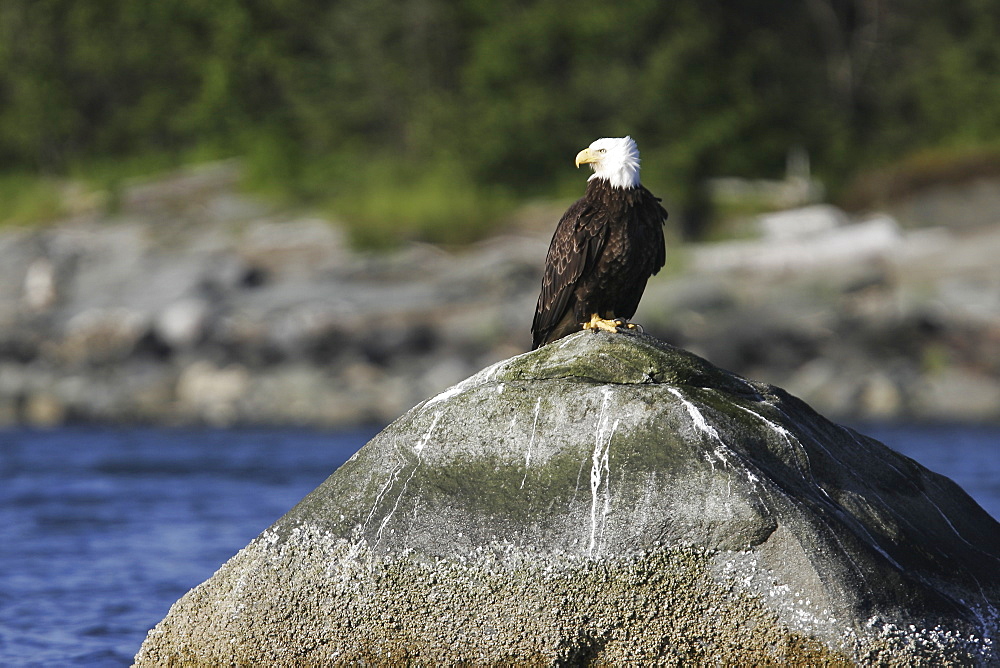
(603, 500)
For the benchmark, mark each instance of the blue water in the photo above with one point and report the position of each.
(102, 530)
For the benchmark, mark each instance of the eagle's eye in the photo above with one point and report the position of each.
(602, 150)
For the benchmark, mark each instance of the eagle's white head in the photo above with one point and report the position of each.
(614, 159)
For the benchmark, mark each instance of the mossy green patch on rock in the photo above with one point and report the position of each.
(617, 359)
(603, 500)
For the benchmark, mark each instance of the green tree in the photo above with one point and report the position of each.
(497, 93)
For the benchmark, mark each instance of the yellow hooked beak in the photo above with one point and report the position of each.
(586, 156)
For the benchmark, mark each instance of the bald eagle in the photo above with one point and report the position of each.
(605, 248)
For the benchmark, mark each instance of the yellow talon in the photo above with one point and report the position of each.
(597, 322)
(615, 325)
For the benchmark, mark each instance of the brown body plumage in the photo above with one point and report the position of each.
(605, 248)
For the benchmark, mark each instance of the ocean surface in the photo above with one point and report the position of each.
(101, 530)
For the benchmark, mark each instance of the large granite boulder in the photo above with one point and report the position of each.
(608, 499)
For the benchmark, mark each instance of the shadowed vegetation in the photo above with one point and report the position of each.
(437, 116)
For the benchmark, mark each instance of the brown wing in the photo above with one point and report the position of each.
(648, 250)
(655, 215)
(576, 245)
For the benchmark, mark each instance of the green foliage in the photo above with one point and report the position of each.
(381, 199)
(28, 199)
(447, 101)
(387, 203)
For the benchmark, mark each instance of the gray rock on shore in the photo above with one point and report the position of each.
(608, 499)
(139, 314)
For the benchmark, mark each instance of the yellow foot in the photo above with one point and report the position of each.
(616, 325)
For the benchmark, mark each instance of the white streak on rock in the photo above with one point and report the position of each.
(774, 426)
(565, 342)
(600, 475)
(390, 481)
(487, 375)
(701, 424)
(721, 453)
(427, 435)
(696, 417)
(418, 449)
(531, 443)
(452, 391)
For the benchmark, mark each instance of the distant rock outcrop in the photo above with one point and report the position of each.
(608, 499)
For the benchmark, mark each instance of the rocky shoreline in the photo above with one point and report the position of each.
(196, 304)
